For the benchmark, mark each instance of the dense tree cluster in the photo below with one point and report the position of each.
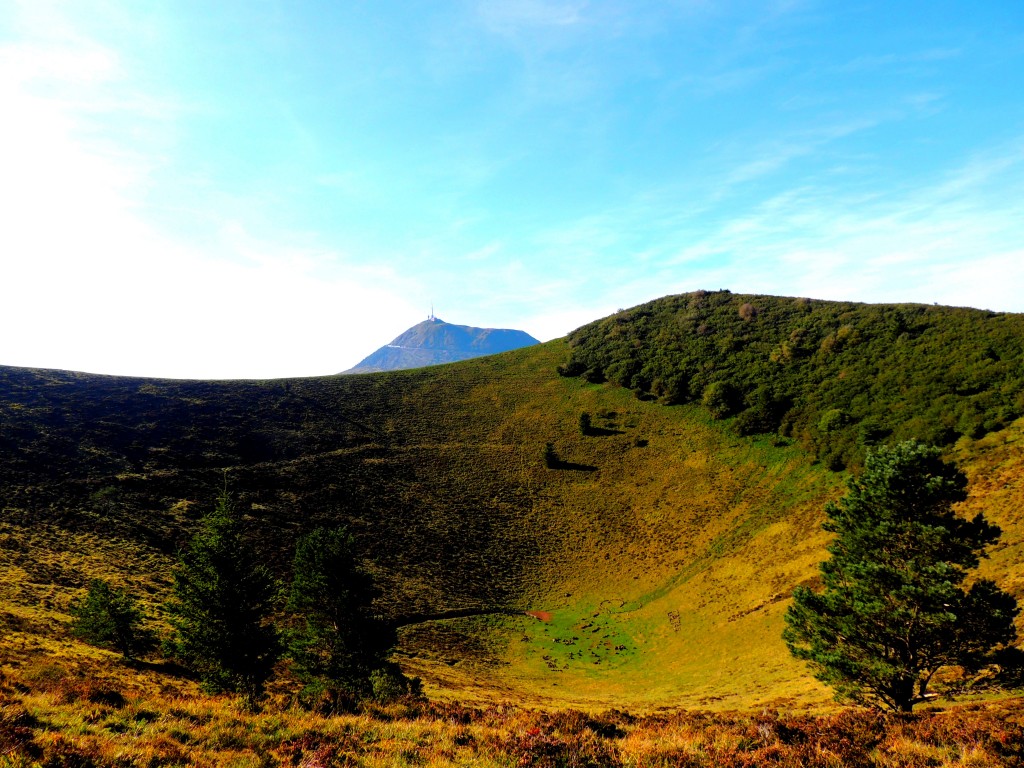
(837, 377)
(223, 610)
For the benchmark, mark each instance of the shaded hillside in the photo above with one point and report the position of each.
(656, 556)
(434, 341)
(838, 377)
(141, 460)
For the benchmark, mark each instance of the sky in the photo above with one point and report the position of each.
(264, 188)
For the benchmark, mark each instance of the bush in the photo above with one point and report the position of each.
(832, 420)
(585, 424)
(754, 421)
(109, 618)
(389, 683)
(550, 456)
(720, 398)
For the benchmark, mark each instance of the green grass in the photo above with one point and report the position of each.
(664, 547)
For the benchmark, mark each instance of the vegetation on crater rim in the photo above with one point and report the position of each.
(658, 544)
(837, 377)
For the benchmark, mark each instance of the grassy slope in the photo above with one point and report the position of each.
(661, 570)
(664, 548)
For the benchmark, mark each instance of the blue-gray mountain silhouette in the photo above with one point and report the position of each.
(434, 341)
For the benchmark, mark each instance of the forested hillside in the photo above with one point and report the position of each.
(837, 377)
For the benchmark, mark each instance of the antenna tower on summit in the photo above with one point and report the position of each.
(432, 315)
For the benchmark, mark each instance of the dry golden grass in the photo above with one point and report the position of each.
(101, 715)
(664, 549)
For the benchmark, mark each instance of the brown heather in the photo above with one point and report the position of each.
(52, 720)
(646, 571)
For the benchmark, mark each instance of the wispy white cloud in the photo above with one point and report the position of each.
(915, 245)
(517, 16)
(93, 284)
(882, 61)
(770, 156)
(955, 239)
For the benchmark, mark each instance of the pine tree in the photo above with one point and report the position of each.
(110, 618)
(223, 596)
(894, 610)
(341, 649)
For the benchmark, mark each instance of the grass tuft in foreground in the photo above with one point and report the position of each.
(59, 717)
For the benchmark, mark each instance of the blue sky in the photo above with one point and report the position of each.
(261, 189)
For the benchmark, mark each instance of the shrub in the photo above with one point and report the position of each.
(585, 424)
(720, 398)
(832, 420)
(550, 456)
(109, 618)
(389, 683)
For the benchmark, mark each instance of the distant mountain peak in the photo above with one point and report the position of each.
(434, 341)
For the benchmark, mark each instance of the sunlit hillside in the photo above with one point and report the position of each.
(647, 565)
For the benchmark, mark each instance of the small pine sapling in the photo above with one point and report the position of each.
(109, 617)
